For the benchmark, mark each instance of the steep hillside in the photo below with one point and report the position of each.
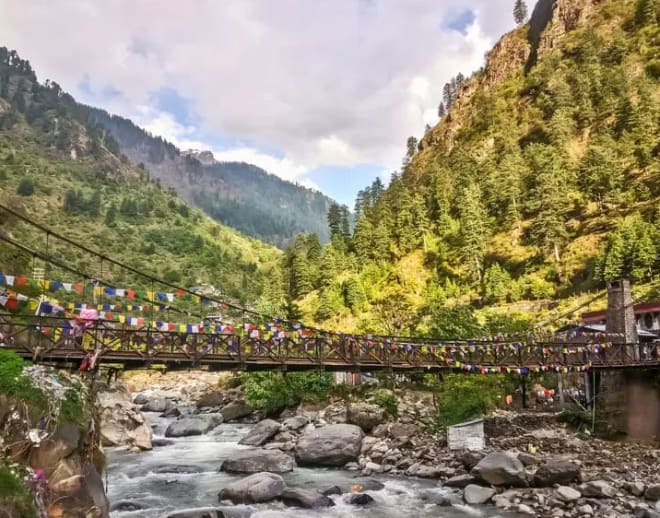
(542, 180)
(240, 195)
(68, 174)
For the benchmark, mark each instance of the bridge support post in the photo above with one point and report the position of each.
(523, 390)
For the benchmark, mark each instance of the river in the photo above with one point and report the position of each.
(185, 474)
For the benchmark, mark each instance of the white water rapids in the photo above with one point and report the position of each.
(185, 475)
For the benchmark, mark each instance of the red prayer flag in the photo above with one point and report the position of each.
(131, 294)
(21, 280)
(11, 303)
(78, 287)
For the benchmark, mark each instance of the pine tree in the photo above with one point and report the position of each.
(345, 224)
(520, 11)
(334, 220)
(646, 12)
(474, 229)
(441, 110)
(110, 215)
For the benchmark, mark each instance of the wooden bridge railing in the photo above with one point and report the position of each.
(57, 338)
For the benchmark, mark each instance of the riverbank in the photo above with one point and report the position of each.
(531, 465)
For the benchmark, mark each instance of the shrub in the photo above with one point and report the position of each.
(14, 384)
(386, 399)
(464, 396)
(272, 392)
(25, 187)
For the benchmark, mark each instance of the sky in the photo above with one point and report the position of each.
(320, 92)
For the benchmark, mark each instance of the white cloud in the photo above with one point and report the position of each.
(335, 83)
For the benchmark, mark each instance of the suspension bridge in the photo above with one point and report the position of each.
(56, 333)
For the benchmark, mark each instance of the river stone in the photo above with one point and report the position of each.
(636, 488)
(359, 499)
(157, 405)
(305, 498)
(556, 472)
(294, 423)
(652, 492)
(501, 469)
(178, 469)
(332, 490)
(597, 489)
(260, 487)
(567, 494)
(236, 410)
(260, 433)
(255, 461)
(206, 512)
(141, 399)
(459, 481)
(195, 425)
(475, 495)
(332, 445)
(365, 415)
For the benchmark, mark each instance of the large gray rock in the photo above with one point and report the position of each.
(294, 423)
(255, 461)
(260, 433)
(306, 499)
(122, 423)
(597, 489)
(652, 492)
(556, 472)
(157, 405)
(195, 425)
(567, 494)
(501, 469)
(260, 487)
(365, 415)
(459, 481)
(236, 410)
(332, 445)
(476, 495)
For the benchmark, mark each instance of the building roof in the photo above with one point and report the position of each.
(639, 309)
(600, 328)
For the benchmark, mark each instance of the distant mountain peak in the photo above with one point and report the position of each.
(204, 157)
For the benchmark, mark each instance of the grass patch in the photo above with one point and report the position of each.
(14, 494)
(14, 384)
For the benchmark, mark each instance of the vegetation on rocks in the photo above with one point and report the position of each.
(15, 497)
(272, 392)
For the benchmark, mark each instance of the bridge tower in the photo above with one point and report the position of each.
(621, 326)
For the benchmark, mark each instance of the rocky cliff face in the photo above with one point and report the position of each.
(513, 54)
(49, 431)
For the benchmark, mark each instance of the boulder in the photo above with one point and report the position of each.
(332, 445)
(597, 489)
(501, 469)
(359, 499)
(527, 459)
(122, 423)
(141, 399)
(260, 433)
(206, 512)
(556, 472)
(305, 498)
(652, 492)
(476, 495)
(470, 459)
(332, 490)
(171, 412)
(365, 415)
(260, 487)
(158, 405)
(236, 410)
(567, 494)
(294, 423)
(255, 461)
(637, 488)
(196, 425)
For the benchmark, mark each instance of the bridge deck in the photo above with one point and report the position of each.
(54, 340)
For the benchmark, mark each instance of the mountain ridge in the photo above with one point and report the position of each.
(243, 196)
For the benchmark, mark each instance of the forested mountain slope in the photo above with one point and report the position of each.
(541, 180)
(240, 195)
(68, 173)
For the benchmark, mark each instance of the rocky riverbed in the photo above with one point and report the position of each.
(344, 459)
